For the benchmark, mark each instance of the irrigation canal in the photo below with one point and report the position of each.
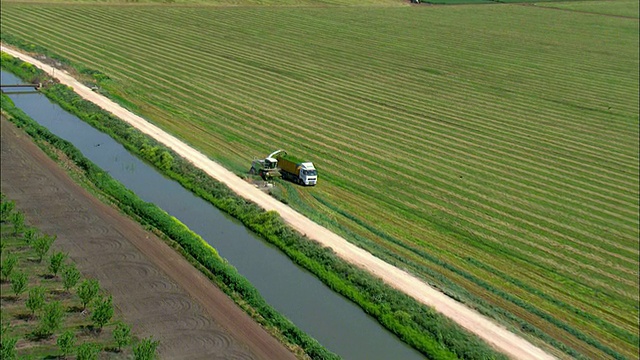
(337, 323)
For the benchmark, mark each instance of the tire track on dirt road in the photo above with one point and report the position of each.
(495, 335)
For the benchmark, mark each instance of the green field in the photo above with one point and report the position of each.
(284, 3)
(492, 147)
(616, 8)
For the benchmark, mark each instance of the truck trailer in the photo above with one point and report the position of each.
(301, 172)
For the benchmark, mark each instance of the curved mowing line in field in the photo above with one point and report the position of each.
(391, 67)
(605, 324)
(630, 326)
(530, 234)
(393, 64)
(475, 252)
(543, 315)
(499, 245)
(629, 337)
(582, 336)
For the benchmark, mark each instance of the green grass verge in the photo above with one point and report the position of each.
(429, 332)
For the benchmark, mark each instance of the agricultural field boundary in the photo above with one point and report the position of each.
(498, 336)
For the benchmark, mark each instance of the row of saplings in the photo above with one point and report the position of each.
(50, 310)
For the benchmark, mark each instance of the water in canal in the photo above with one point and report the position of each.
(337, 323)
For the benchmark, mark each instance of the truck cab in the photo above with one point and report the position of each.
(308, 174)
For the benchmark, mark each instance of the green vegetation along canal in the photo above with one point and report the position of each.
(337, 323)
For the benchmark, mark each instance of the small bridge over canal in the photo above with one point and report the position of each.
(33, 86)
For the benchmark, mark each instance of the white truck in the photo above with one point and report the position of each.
(279, 164)
(301, 172)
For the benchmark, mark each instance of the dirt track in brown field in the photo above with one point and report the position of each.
(153, 287)
(497, 336)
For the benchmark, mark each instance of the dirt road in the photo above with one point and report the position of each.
(498, 336)
(154, 288)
